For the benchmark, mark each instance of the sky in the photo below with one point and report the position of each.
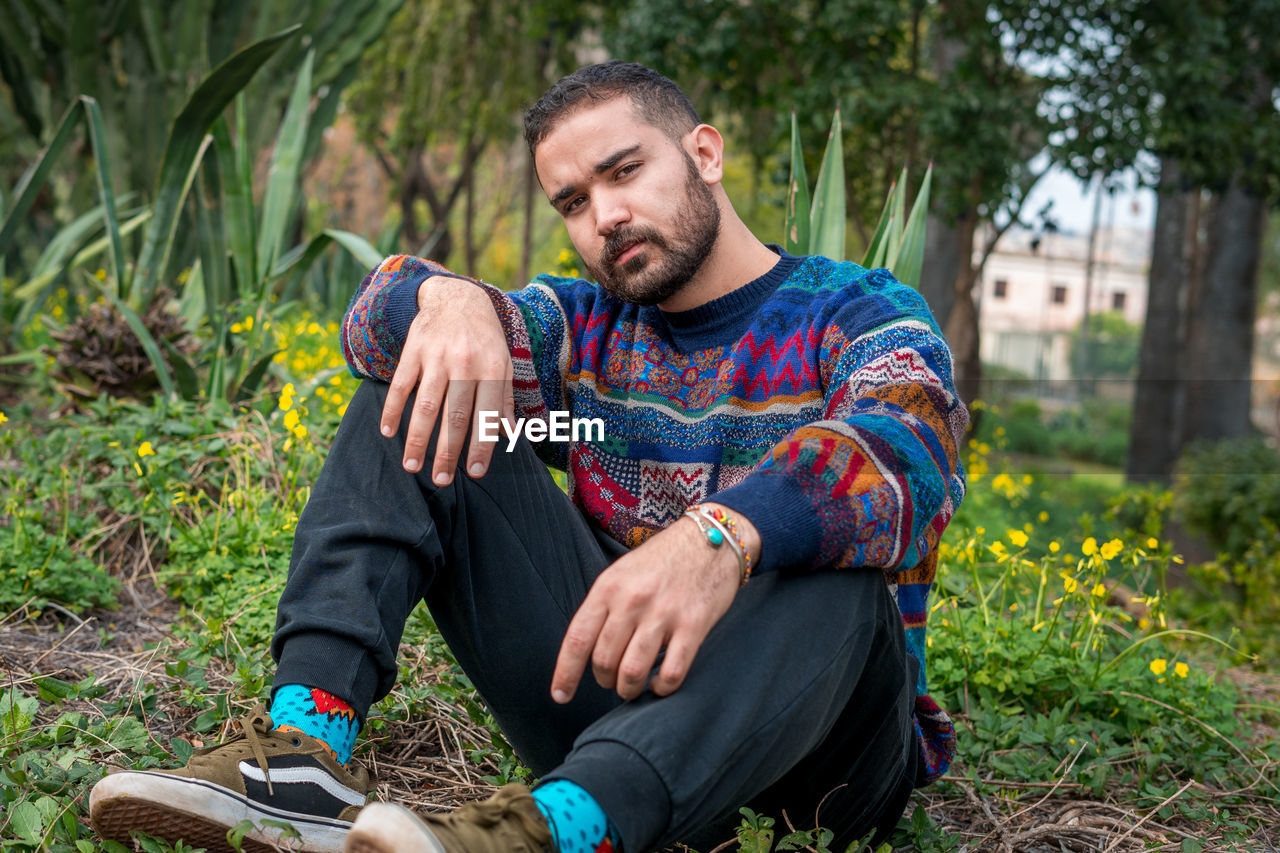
(1073, 203)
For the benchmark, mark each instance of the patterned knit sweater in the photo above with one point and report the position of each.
(816, 400)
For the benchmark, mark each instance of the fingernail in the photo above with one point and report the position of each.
(476, 469)
(442, 478)
(411, 465)
(386, 430)
(560, 696)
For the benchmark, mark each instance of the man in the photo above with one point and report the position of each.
(780, 439)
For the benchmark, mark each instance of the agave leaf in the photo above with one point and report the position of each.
(149, 345)
(184, 372)
(69, 237)
(896, 220)
(187, 141)
(253, 379)
(795, 238)
(282, 180)
(876, 248)
(911, 253)
(299, 259)
(827, 216)
(24, 195)
(97, 247)
(212, 234)
(102, 160)
(237, 208)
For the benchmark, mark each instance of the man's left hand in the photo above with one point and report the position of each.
(667, 593)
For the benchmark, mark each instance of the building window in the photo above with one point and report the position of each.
(1001, 288)
(1059, 294)
(1117, 301)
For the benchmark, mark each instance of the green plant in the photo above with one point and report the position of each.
(817, 226)
(1229, 492)
(240, 260)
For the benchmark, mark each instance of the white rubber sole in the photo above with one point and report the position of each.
(389, 828)
(200, 813)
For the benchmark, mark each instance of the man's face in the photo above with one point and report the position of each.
(634, 201)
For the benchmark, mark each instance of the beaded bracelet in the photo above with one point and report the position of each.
(719, 527)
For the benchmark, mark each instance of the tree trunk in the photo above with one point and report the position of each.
(1155, 434)
(961, 328)
(1219, 386)
(526, 237)
(941, 266)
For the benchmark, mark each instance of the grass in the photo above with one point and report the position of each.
(138, 578)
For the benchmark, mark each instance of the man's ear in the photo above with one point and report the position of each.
(706, 146)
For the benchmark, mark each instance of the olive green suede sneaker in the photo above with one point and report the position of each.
(267, 777)
(508, 822)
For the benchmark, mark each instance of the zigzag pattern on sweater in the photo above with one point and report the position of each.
(817, 401)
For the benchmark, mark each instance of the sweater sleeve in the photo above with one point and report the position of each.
(535, 321)
(876, 479)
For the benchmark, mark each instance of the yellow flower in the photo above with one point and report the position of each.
(1018, 538)
(1100, 591)
(979, 531)
(291, 419)
(999, 550)
(1153, 543)
(1159, 665)
(1144, 623)
(1028, 479)
(1043, 516)
(100, 275)
(1069, 583)
(1090, 547)
(144, 450)
(286, 397)
(4, 419)
(1054, 547)
(1180, 669)
(236, 328)
(1013, 606)
(1111, 549)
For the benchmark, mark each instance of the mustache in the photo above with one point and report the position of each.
(617, 242)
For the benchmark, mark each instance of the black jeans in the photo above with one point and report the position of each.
(800, 696)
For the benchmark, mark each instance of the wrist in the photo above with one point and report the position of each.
(447, 288)
(726, 531)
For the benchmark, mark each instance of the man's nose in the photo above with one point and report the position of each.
(611, 212)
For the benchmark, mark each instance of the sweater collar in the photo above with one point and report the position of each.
(733, 305)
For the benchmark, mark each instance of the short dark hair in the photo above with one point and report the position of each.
(659, 101)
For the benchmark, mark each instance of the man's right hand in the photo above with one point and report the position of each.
(457, 356)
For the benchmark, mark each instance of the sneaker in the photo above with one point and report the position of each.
(257, 775)
(508, 822)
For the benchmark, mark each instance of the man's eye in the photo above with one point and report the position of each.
(628, 169)
(574, 203)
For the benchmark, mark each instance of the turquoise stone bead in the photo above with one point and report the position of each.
(715, 537)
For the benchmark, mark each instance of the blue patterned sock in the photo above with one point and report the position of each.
(317, 713)
(578, 824)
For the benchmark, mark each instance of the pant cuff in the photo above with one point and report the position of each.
(626, 786)
(330, 662)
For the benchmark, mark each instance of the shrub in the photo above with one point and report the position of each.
(1229, 491)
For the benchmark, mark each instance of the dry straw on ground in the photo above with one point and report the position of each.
(429, 763)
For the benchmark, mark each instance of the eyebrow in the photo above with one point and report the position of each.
(600, 168)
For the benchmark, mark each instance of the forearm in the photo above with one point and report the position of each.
(377, 321)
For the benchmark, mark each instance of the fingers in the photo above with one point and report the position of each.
(576, 648)
(632, 672)
(491, 398)
(675, 665)
(455, 421)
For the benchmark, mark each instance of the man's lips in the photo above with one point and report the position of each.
(628, 252)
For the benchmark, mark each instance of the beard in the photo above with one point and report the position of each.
(641, 281)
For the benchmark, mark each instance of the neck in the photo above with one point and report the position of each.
(737, 259)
